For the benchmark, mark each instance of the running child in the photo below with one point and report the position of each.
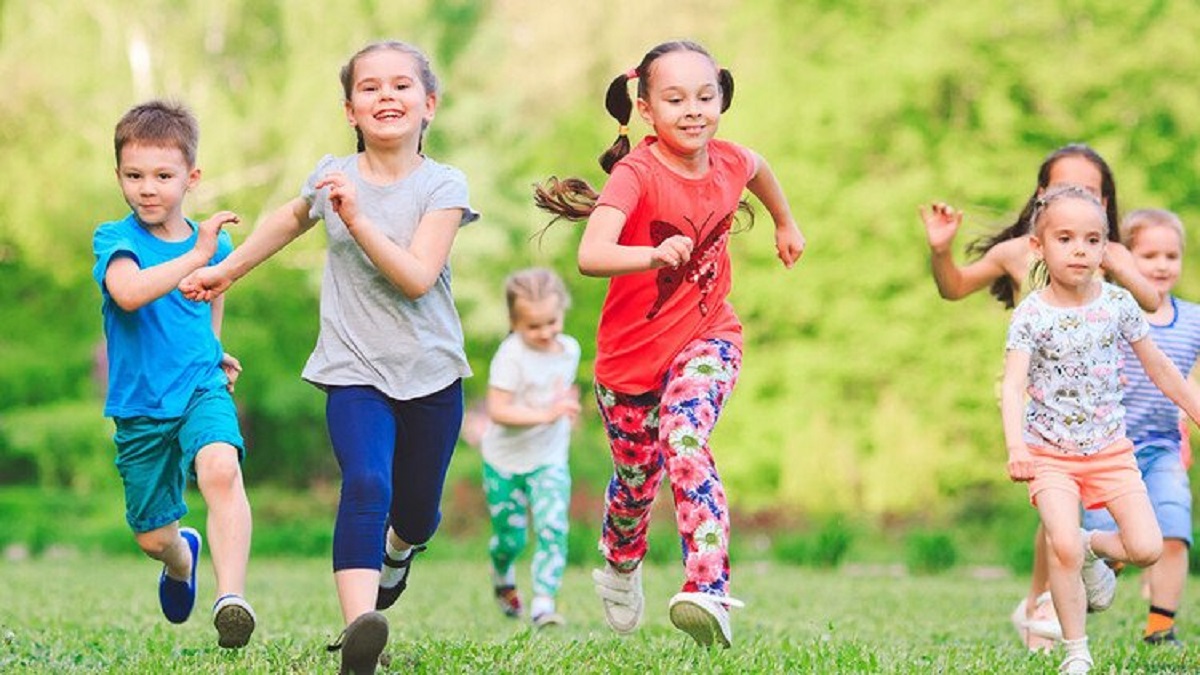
(1002, 264)
(389, 355)
(669, 345)
(1068, 443)
(169, 380)
(532, 401)
(1155, 237)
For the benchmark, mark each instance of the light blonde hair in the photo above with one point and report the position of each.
(1056, 194)
(1136, 221)
(533, 284)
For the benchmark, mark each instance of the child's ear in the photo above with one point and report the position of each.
(1035, 245)
(193, 177)
(643, 109)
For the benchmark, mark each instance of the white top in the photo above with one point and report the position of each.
(535, 378)
(1075, 363)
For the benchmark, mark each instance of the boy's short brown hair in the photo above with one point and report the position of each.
(159, 123)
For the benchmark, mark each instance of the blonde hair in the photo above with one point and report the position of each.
(533, 284)
(1055, 194)
(1138, 220)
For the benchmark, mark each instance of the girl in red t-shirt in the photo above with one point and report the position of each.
(669, 344)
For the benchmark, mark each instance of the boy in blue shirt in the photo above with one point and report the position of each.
(169, 381)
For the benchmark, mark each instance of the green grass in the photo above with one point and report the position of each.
(85, 614)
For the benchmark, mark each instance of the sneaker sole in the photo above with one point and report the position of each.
(234, 626)
(698, 623)
(365, 639)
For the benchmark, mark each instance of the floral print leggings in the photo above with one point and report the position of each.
(669, 428)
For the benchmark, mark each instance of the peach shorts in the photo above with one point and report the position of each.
(1095, 479)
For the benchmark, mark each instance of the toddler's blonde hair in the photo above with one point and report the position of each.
(533, 284)
(1136, 221)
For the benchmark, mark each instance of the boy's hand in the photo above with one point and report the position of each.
(232, 368)
(673, 252)
(941, 224)
(1020, 464)
(205, 284)
(789, 244)
(343, 196)
(206, 237)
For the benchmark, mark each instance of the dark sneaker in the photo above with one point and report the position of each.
(361, 644)
(386, 597)
(177, 598)
(508, 599)
(1163, 637)
(234, 621)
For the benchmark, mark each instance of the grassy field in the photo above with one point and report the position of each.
(80, 614)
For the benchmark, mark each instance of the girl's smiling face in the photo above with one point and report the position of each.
(388, 102)
(683, 102)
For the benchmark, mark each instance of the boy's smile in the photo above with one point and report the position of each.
(154, 180)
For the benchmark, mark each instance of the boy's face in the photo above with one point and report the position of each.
(154, 180)
(1158, 254)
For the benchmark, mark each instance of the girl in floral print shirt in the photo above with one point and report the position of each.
(1069, 441)
(669, 344)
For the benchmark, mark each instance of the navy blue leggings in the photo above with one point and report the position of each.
(393, 456)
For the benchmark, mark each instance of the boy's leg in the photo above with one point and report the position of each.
(550, 498)
(699, 382)
(1170, 494)
(1059, 511)
(219, 477)
(165, 545)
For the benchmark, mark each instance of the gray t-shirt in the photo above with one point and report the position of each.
(535, 379)
(371, 334)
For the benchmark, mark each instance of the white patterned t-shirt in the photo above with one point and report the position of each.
(1075, 383)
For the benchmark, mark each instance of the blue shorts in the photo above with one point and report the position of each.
(155, 457)
(1169, 490)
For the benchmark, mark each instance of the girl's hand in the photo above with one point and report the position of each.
(1020, 464)
(206, 235)
(941, 224)
(673, 252)
(343, 196)
(205, 284)
(789, 244)
(232, 368)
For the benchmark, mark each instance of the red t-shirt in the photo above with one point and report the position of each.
(649, 317)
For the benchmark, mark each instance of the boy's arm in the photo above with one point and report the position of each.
(132, 287)
(1165, 376)
(1012, 404)
(229, 364)
(789, 241)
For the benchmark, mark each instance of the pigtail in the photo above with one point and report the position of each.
(620, 106)
(725, 79)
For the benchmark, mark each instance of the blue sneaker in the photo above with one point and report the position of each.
(178, 597)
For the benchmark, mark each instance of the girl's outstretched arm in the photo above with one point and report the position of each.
(1165, 376)
(789, 242)
(1118, 262)
(1012, 404)
(954, 282)
(278, 230)
(601, 256)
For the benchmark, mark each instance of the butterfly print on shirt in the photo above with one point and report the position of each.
(700, 269)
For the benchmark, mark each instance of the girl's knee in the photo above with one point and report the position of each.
(1144, 552)
(1068, 553)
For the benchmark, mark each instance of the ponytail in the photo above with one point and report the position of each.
(725, 79)
(620, 106)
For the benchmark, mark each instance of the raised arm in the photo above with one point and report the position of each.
(601, 256)
(954, 282)
(1012, 412)
(1119, 263)
(789, 242)
(1165, 376)
(132, 287)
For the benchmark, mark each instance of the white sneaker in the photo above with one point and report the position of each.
(705, 617)
(1041, 630)
(622, 596)
(1079, 664)
(1099, 580)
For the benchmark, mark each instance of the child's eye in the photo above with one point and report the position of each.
(164, 176)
